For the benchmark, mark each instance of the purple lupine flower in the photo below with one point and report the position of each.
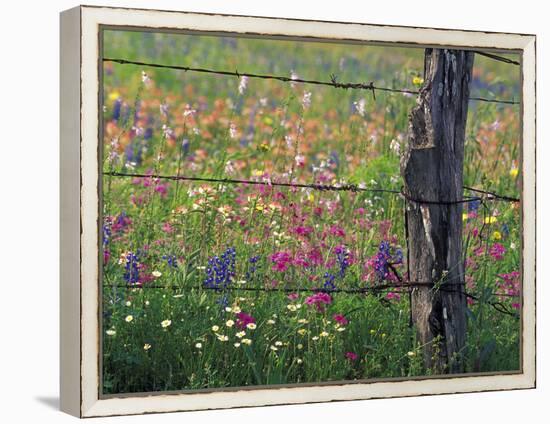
(220, 271)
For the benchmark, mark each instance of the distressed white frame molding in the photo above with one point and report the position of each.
(80, 324)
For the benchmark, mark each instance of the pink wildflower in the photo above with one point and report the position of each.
(497, 251)
(162, 189)
(281, 261)
(351, 356)
(337, 231)
(302, 230)
(319, 300)
(393, 296)
(340, 319)
(293, 296)
(243, 319)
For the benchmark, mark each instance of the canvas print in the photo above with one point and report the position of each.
(280, 211)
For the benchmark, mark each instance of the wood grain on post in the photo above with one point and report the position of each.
(432, 169)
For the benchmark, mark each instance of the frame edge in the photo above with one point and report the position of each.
(69, 126)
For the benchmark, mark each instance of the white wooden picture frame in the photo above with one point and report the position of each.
(80, 179)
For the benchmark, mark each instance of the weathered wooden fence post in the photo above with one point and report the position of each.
(432, 169)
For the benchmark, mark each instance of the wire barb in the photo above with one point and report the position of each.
(332, 83)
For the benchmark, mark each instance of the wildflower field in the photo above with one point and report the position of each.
(244, 282)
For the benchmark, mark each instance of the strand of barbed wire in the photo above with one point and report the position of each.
(333, 82)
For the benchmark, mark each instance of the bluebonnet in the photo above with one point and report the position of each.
(474, 206)
(253, 261)
(384, 258)
(220, 270)
(116, 109)
(223, 301)
(106, 234)
(185, 146)
(125, 113)
(171, 260)
(334, 158)
(505, 229)
(329, 281)
(148, 135)
(342, 256)
(133, 153)
(131, 269)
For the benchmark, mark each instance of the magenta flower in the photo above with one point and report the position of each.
(293, 296)
(243, 320)
(121, 223)
(162, 189)
(340, 319)
(315, 256)
(281, 261)
(497, 251)
(301, 260)
(302, 230)
(337, 231)
(351, 356)
(319, 300)
(393, 296)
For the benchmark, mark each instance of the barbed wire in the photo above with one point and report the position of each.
(378, 289)
(497, 57)
(369, 86)
(487, 195)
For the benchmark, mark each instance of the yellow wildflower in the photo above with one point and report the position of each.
(490, 219)
(497, 235)
(264, 147)
(418, 80)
